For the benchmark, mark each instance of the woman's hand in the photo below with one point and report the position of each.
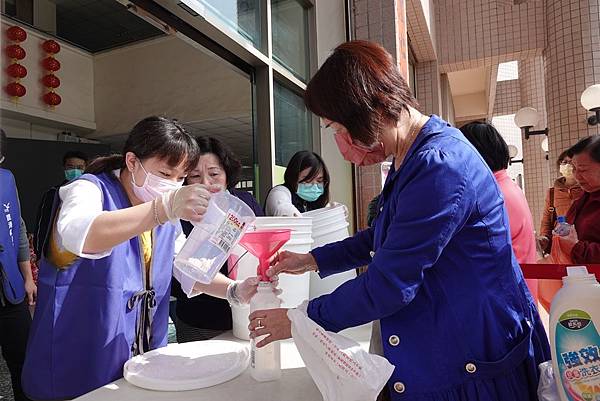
(272, 323)
(31, 291)
(568, 242)
(189, 202)
(292, 263)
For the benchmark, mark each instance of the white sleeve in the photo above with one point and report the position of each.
(279, 203)
(81, 204)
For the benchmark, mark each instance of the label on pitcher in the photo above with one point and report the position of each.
(228, 232)
(578, 355)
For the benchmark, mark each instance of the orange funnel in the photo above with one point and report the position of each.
(263, 244)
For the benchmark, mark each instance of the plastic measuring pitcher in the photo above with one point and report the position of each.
(211, 241)
(263, 244)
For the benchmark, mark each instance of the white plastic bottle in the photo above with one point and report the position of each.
(265, 362)
(574, 338)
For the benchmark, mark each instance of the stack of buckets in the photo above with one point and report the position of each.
(295, 288)
(329, 225)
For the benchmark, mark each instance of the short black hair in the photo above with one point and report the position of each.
(74, 154)
(489, 143)
(301, 161)
(231, 164)
(591, 145)
(563, 156)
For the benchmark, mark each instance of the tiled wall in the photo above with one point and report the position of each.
(382, 21)
(508, 97)
(421, 39)
(572, 60)
(472, 33)
(428, 87)
(536, 167)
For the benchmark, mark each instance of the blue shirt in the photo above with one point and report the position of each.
(442, 279)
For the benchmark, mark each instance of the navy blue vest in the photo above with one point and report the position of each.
(10, 225)
(92, 316)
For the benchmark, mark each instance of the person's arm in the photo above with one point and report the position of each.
(279, 203)
(88, 231)
(414, 240)
(344, 255)
(25, 264)
(586, 252)
(546, 224)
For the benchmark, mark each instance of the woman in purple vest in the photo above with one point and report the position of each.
(104, 280)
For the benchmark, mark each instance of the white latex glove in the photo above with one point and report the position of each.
(188, 202)
(241, 292)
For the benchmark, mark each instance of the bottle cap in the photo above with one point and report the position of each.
(561, 219)
(577, 271)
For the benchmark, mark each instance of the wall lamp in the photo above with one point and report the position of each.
(513, 152)
(590, 99)
(526, 118)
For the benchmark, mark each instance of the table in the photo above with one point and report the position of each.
(295, 384)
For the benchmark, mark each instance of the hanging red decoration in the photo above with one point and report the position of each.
(16, 71)
(51, 81)
(52, 99)
(15, 52)
(15, 89)
(16, 34)
(51, 64)
(51, 46)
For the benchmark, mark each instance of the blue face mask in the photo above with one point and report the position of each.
(73, 173)
(310, 192)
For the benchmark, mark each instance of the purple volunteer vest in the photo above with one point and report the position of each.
(93, 316)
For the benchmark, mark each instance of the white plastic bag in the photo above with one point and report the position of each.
(340, 368)
(547, 390)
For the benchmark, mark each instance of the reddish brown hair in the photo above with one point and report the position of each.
(360, 87)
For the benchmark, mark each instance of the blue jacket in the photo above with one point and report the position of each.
(92, 316)
(457, 320)
(11, 279)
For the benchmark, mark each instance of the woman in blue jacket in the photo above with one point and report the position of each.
(457, 320)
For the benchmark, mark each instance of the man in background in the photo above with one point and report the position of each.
(74, 164)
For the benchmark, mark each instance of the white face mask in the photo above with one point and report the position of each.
(566, 170)
(153, 186)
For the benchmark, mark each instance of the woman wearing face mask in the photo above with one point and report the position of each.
(106, 270)
(582, 245)
(305, 187)
(559, 199)
(457, 320)
(203, 316)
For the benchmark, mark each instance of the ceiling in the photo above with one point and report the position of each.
(467, 82)
(98, 25)
(236, 132)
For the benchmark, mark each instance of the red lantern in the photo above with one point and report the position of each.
(15, 52)
(51, 81)
(51, 46)
(15, 89)
(16, 34)
(16, 71)
(51, 64)
(52, 99)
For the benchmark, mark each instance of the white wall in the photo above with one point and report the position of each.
(330, 33)
(76, 89)
(165, 76)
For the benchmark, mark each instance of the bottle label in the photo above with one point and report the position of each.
(578, 355)
(229, 232)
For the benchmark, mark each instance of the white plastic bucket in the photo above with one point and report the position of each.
(239, 315)
(332, 234)
(211, 241)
